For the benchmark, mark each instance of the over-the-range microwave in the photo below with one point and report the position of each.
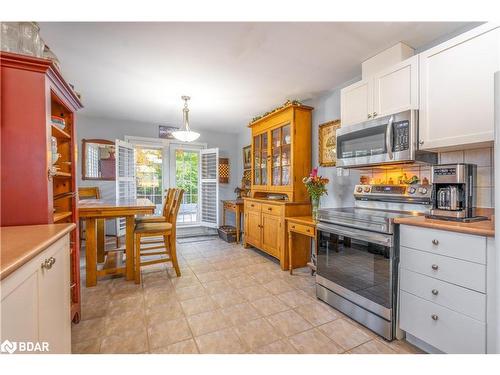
(390, 139)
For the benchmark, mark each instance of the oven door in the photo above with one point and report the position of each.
(358, 265)
(389, 139)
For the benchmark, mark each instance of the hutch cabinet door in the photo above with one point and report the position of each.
(281, 155)
(356, 102)
(270, 237)
(396, 88)
(54, 295)
(259, 160)
(253, 229)
(457, 89)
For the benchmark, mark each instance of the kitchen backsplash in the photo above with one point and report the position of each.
(482, 157)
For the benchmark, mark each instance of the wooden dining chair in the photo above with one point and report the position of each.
(167, 205)
(92, 192)
(167, 230)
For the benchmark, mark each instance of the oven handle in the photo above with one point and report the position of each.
(388, 138)
(378, 238)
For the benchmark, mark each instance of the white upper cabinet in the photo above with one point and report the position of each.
(392, 90)
(396, 88)
(457, 89)
(356, 102)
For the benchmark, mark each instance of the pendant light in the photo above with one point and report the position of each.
(185, 134)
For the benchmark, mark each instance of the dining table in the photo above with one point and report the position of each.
(93, 211)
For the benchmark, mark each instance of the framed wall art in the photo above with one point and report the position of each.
(247, 157)
(328, 143)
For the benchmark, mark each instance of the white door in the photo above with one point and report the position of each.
(185, 174)
(396, 89)
(356, 102)
(125, 177)
(210, 187)
(457, 89)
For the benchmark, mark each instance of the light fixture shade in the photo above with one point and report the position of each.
(186, 136)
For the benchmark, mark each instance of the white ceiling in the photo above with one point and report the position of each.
(232, 71)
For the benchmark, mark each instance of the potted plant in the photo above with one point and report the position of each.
(316, 187)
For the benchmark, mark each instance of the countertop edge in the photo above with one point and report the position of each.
(446, 226)
(32, 253)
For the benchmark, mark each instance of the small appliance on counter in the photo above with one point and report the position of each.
(453, 192)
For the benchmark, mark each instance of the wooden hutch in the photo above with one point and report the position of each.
(281, 157)
(34, 191)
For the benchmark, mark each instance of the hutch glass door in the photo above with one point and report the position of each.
(281, 154)
(260, 159)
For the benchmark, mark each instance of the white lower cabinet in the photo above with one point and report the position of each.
(446, 291)
(35, 300)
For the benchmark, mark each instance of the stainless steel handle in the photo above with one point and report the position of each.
(435, 267)
(388, 138)
(435, 292)
(369, 115)
(435, 242)
(378, 238)
(48, 263)
(434, 317)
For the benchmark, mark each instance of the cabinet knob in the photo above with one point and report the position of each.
(48, 263)
(369, 115)
(434, 317)
(420, 142)
(435, 242)
(435, 267)
(270, 208)
(435, 292)
(375, 114)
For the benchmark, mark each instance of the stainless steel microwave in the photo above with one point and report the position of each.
(387, 140)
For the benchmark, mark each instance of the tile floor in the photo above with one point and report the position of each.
(228, 300)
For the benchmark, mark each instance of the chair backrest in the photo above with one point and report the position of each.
(89, 192)
(175, 206)
(167, 204)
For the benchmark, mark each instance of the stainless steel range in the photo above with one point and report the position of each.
(358, 253)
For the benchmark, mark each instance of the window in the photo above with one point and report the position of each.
(149, 175)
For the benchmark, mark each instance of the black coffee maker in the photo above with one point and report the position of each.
(453, 193)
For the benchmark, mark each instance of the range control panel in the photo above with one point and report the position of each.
(401, 135)
(416, 190)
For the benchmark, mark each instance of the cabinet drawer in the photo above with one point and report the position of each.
(272, 209)
(304, 229)
(253, 206)
(462, 300)
(452, 244)
(455, 271)
(449, 331)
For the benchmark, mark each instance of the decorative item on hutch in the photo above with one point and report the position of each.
(280, 156)
(316, 187)
(328, 143)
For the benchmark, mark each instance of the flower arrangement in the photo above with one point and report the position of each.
(316, 187)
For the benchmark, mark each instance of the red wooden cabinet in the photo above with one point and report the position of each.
(32, 190)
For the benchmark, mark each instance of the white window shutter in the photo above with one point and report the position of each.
(125, 177)
(210, 187)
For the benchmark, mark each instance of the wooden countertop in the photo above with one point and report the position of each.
(305, 220)
(479, 228)
(20, 244)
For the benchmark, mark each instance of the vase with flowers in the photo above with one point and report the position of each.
(316, 187)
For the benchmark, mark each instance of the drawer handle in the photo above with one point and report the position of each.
(435, 242)
(293, 226)
(270, 208)
(48, 263)
(435, 292)
(252, 205)
(434, 317)
(308, 230)
(435, 267)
